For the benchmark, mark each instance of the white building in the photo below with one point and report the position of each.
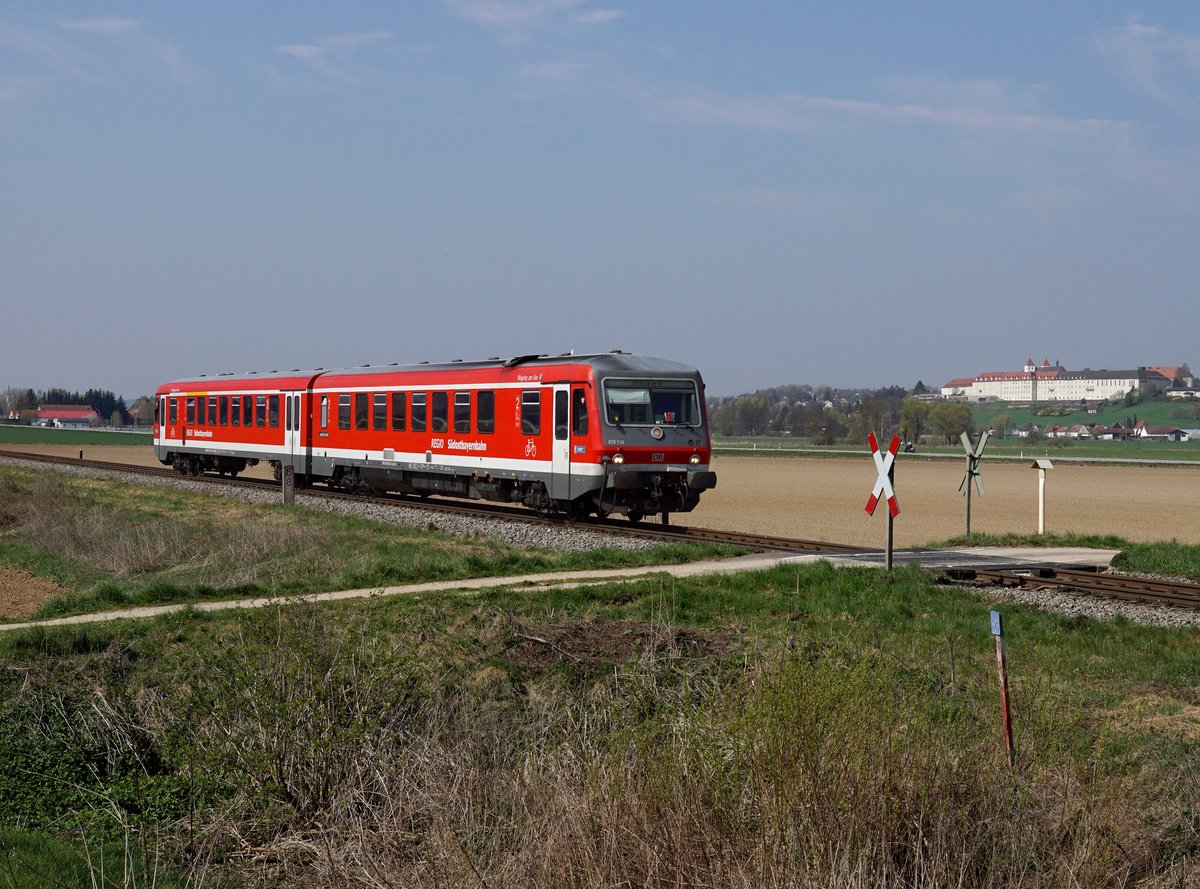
(1053, 382)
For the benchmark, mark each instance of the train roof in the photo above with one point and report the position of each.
(607, 362)
(603, 361)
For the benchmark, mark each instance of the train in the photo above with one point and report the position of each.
(574, 435)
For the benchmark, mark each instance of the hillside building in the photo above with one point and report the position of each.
(1053, 382)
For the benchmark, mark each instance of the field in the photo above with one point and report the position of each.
(823, 498)
(804, 726)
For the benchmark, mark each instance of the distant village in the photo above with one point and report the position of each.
(1053, 382)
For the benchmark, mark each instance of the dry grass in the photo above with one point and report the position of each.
(341, 761)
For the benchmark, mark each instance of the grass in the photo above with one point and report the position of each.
(803, 726)
(112, 545)
(42, 435)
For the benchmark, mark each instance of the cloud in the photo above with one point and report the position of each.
(51, 52)
(805, 113)
(319, 54)
(518, 18)
(597, 16)
(553, 75)
(108, 25)
(1162, 64)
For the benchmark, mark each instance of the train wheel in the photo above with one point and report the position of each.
(233, 473)
(635, 515)
(577, 510)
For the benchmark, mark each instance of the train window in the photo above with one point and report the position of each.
(561, 402)
(651, 402)
(462, 411)
(343, 412)
(201, 411)
(273, 413)
(224, 407)
(173, 411)
(531, 412)
(287, 422)
(441, 410)
(418, 413)
(212, 410)
(324, 411)
(235, 411)
(379, 414)
(157, 411)
(579, 413)
(260, 410)
(361, 405)
(485, 417)
(248, 410)
(399, 412)
(191, 411)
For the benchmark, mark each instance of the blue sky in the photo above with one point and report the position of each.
(851, 194)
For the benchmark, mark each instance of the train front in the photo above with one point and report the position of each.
(656, 446)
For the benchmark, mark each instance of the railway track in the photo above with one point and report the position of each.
(1125, 588)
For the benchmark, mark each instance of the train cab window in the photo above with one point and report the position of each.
(158, 410)
(191, 411)
(201, 411)
(260, 410)
(273, 414)
(379, 412)
(462, 411)
(235, 410)
(343, 412)
(212, 410)
(531, 412)
(324, 411)
(561, 404)
(418, 412)
(224, 410)
(579, 412)
(399, 411)
(173, 411)
(485, 416)
(361, 405)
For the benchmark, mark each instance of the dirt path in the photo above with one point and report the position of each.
(823, 498)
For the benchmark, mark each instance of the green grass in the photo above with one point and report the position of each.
(1155, 412)
(741, 729)
(39, 435)
(112, 545)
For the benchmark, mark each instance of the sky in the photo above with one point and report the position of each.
(847, 194)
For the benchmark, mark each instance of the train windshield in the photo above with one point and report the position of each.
(651, 403)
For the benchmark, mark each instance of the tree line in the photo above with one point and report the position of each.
(824, 415)
(111, 407)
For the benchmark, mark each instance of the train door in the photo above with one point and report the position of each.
(162, 420)
(560, 452)
(291, 427)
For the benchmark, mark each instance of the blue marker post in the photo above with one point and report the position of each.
(1005, 711)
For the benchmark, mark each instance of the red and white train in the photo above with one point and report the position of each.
(577, 434)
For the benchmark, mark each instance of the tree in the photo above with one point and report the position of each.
(914, 419)
(950, 420)
(920, 388)
(1001, 425)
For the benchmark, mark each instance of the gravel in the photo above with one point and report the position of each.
(514, 532)
(1083, 605)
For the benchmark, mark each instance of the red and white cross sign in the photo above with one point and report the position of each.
(883, 484)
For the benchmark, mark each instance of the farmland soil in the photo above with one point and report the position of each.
(823, 498)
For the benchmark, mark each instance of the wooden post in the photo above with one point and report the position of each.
(1002, 668)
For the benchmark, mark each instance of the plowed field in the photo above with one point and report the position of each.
(823, 498)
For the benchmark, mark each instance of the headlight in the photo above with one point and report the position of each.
(619, 459)
(695, 461)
